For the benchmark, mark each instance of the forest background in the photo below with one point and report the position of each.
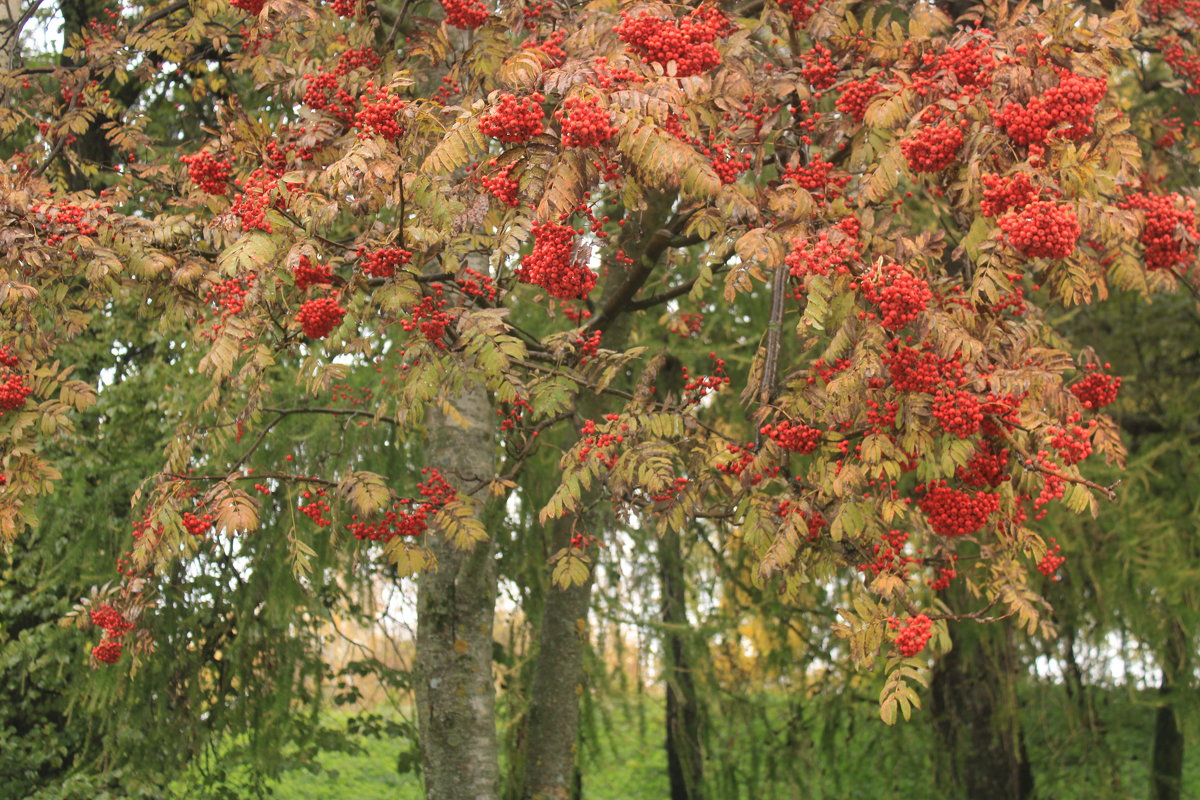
(744, 360)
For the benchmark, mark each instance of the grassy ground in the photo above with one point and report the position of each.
(851, 756)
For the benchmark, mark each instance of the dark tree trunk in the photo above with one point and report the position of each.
(981, 750)
(455, 607)
(685, 765)
(1168, 748)
(1167, 776)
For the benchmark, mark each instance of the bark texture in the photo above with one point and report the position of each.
(981, 751)
(551, 739)
(558, 682)
(685, 765)
(1167, 776)
(455, 606)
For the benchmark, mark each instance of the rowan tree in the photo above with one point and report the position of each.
(791, 270)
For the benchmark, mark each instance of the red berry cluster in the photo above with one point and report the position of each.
(889, 556)
(377, 116)
(797, 438)
(229, 297)
(816, 177)
(1097, 390)
(601, 445)
(1072, 103)
(1184, 65)
(550, 47)
(320, 316)
(316, 508)
(952, 512)
(913, 370)
(1072, 441)
(552, 264)
(13, 392)
(856, 95)
(476, 284)
(429, 317)
(115, 626)
(987, 467)
(588, 346)
(914, 634)
(208, 172)
(1042, 229)
(818, 67)
(253, 7)
(696, 389)
(1001, 194)
(408, 517)
(944, 575)
(68, 218)
(307, 274)
(687, 41)
(502, 187)
(1170, 234)
(900, 295)
(345, 8)
(514, 119)
(829, 252)
(356, 58)
(584, 123)
(384, 262)
(513, 414)
(197, 525)
(801, 10)
(1052, 560)
(465, 14)
(933, 147)
(727, 161)
(958, 412)
(250, 206)
(814, 521)
(324, 92)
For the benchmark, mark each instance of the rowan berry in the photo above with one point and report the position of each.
(900, 295)
(13, 392)
(1042, 229)
(306, 274)
(465, 14)
(914, 634)
(952, 512)
(932, 148)
(687, 41)
(320, 316)
(552, 263)
(1052, 560)
(514, 119)
(584, 123)
(797, 438)
(384, 262)
(958, 412)
(1097, 390)
(208, 172)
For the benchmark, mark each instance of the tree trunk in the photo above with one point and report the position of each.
(558, 681)
(981, 750)
(552, 725)
(1167, 775)
(455, 607)
(685, 766)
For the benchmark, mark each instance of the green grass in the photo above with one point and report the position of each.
(754, 755)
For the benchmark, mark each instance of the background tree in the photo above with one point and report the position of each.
(400, 227)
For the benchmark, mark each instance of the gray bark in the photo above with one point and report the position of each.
(455, 607)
